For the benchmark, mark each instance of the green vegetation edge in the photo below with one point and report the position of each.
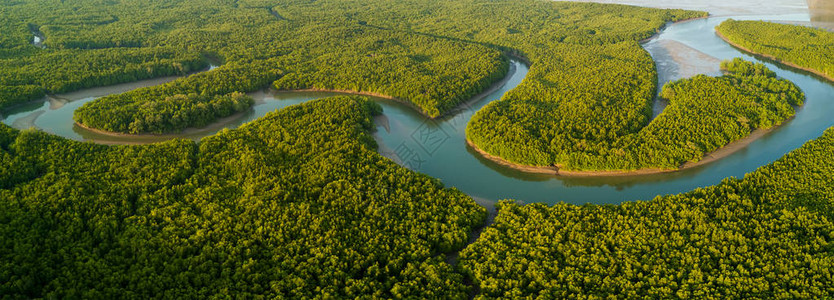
(801, 47)
(708, 118)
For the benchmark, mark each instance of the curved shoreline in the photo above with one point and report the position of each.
(656, 34)
(726, 150)
(707, 158)
(216, 125)
(556, 169)
(477, 97)
(452, 111)
(219, 123)
(122, 87)
(773, 58)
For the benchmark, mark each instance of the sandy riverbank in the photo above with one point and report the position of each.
(775, 59)
(478, 97)
(719, 7)
(710, 157)
(659, 30)
(144, 138)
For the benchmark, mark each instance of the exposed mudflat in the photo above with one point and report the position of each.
(437, 147)
(688, 61)
(675, 60)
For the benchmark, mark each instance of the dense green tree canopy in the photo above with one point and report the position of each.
(768, 236)
(299, 204)
(433, 54)
(804, 47)
(296, 204)
(704, 114)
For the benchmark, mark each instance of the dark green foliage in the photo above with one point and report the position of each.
(70, 70)
(442, 73)
(802, 46)
(196, 100)
(741, 67)
(10, 95)
(586, 64)
(13, 169)
(704, 114)
(433, 54)
(28, 75)
(255, 43)
(768, 236)
(297, 204)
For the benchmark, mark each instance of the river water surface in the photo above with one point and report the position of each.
(438, 148)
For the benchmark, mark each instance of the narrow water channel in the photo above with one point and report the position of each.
(37, 37)
(438, 149)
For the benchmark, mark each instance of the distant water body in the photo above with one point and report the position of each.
(437, 147)
(723, 7)
(820, 12)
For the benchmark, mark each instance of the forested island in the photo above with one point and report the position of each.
(806, 48)
(768, 235)
(704, 114)
(433, 55)
(300, 204)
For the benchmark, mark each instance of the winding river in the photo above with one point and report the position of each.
(438, 148)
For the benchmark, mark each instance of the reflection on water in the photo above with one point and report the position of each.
(818, 13)
(822, 13)
(722, 7)
(57, 119)
(438, 148)
(674, 61)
